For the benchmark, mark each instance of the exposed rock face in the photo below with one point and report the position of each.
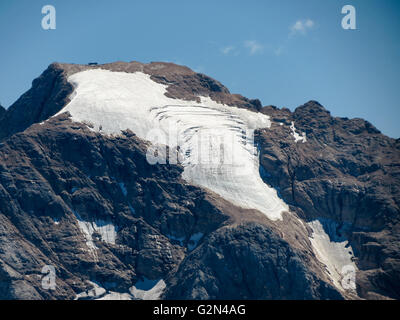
(54, 172)
(249, 261)
(93, 207)
(49, 93)
(347, 171)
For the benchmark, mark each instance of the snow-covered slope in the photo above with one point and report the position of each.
(106, 230)
(215, 140)
(331, 250)
(142, 290)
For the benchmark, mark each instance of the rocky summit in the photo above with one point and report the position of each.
(298, 205)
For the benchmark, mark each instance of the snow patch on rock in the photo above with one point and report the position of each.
(95, 293)
(194, 240)
(148, 289)
(297, 137)
(179, 239)
(131, 209)
(331, 249)
(116, 296)
(99, 293)
(123, 188)
(106, 230)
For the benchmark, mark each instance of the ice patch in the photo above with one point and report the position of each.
(106, 230)
(116, 296)
(117, 101)
(148, 289)
(179, 239)
(296, 136)
(73, 189)
(99, 293)
(95, 293)
(194, 240)
(131, 209)
(331, 250)
(142, 290)
(123, 188)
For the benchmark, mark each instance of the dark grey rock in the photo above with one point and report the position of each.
(249, 261)
(347, 171)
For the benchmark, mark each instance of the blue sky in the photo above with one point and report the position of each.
(283, 52)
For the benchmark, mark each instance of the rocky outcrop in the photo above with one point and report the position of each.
(50, 92)
(248, 261)
(346, 171)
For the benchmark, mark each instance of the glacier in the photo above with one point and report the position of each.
(215, 143)
(215, 140)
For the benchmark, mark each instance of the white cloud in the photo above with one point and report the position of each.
(227, 50)
(301, 27)
(253, 46)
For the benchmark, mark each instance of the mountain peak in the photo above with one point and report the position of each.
(319, 189)
(313, 107)
(51, 90)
